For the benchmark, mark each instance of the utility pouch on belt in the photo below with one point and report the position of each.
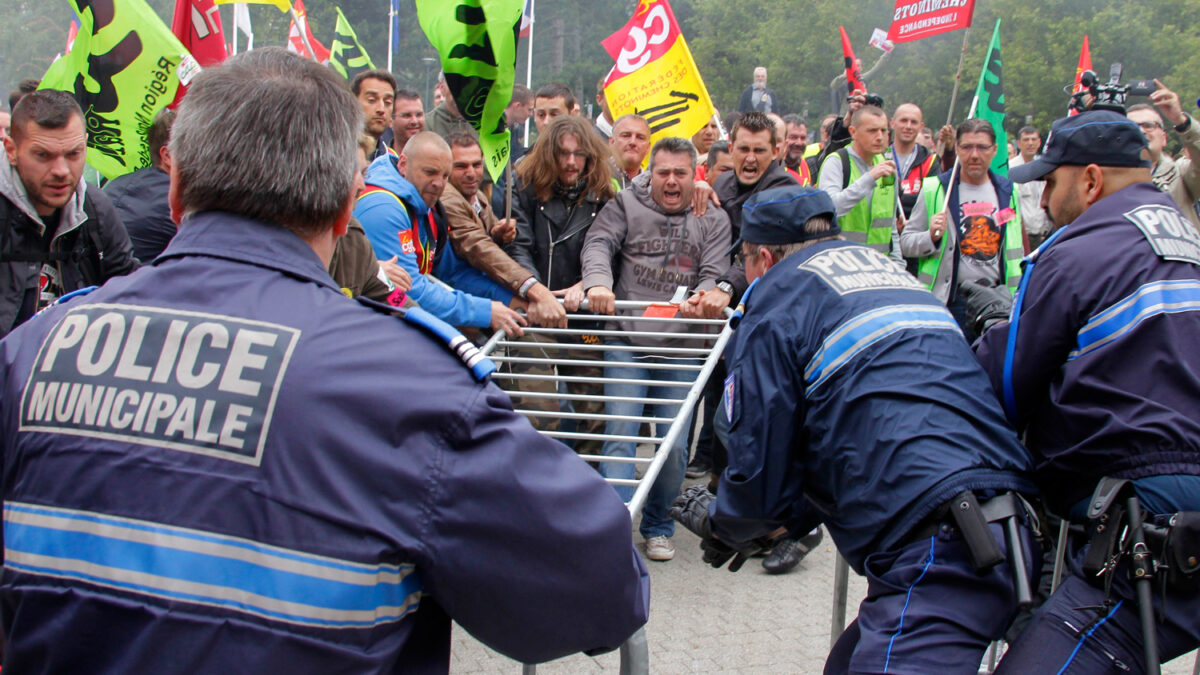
(971, 522)
(1105, 513)
(1181, 551)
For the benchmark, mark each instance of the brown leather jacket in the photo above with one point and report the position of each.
(469, 235)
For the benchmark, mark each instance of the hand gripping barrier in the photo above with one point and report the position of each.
(556, 377)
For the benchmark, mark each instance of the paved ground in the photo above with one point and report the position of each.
(711, 621)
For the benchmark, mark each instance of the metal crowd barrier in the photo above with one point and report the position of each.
(705, 339)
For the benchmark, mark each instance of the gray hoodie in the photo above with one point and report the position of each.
(647, 253)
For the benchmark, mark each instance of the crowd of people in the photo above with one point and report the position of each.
(876, 383)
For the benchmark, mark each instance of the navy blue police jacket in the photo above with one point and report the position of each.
(1105, 368)
(854, 400)
(222, 464)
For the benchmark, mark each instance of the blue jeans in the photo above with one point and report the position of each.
(655, 521)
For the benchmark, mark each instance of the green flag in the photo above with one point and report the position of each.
(346, 54)
(989, 101)
(477, 40)
(124, 67)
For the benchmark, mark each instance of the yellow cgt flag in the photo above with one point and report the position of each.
(655, 75)
(281, 5)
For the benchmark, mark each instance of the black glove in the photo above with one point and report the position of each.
(690, 509)
(985, 304)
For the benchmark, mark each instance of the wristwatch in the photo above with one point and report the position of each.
(1187, 122)
(726, 287)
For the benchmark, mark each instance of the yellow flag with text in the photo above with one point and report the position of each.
(655, 75)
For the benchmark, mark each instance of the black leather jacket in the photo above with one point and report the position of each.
(550, 236)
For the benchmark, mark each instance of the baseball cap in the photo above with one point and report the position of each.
(1101, 137)
(778, 215)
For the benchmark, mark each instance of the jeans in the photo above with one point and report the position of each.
(655, 521)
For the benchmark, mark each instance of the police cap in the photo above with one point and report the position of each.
(778, 215)
(1100, 137)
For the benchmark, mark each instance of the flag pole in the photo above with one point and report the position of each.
(302, 28)
(958, 77)
(235, 29)
(954, 169)
(529, 62)
(391, 31)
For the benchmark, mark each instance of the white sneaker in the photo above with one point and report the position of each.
(660, 548)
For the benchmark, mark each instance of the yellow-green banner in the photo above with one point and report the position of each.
(124, 67)
(346, 53)
(477, 40)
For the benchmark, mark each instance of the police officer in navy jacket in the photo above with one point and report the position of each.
(1099, 367)
(853, 400)
(222, 464)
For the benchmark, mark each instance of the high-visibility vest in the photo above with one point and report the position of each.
(932, 273)
(803, 176)
(871, 221)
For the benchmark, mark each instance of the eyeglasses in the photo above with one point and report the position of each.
(968, 149)
(577, 154)
(1147, 126)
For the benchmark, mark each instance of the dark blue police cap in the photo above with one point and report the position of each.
(777, 216)
(1099, 137)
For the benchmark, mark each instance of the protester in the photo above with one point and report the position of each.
(516, 115)
(445, 119)
(604, 120)
(644, 244)
(561, 185)
(1098, 369)
(5, 123)
(629, 142)
(400, 215)
(477, 234)
(861, 180)
(702, 140)
(1029, 194)
(408, 118)
(914, 161)
(26, 86)
(1179, 178)
(819, 431)
(376, 93)
(758, 97)
(977, 239)
(550, 101)
(61, 234)
(794, 149)
(320, 485)
(140, 198)
(717, 161)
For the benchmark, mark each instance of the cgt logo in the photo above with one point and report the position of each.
(641, 41)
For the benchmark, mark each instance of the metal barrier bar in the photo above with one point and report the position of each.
(584, 397)
(586, 416)
(617, 333)
(652, 351)
(841, 585)
(598, 364)
(655, 319)
(580, 378)
(582, 436)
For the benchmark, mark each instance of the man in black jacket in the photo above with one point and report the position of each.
(140, 198)
(57, 234)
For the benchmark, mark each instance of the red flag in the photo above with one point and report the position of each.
(916, 19)
(1085, 63)
(71, 33)
(296, 43)
(853, 72)
(197, 24)
(526, 21)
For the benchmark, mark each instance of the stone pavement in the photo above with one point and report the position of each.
(712, 621)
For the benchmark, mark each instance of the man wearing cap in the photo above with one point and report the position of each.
(1098, 367)
(819, 431)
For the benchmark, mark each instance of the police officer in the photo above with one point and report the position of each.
(854, 400)
(216, 464)
(1099, 368)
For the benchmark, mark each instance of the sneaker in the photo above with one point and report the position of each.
(660, 548)
(789, 552)
(698, 468)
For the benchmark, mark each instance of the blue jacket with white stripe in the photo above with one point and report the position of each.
(222, 464)
(854, 400)
(1105, 376)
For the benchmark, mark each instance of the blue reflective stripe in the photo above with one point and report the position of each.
(1086, 635)
(1153, 299)
(864, 330)
(1009, 397)
(206, 568)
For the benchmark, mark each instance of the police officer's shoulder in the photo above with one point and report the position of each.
(443, 333)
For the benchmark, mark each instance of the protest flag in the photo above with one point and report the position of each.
(989, 101)
(241, 24)
(916, 19)
(526, 20)
(477, 42)
(72, 31)
(655, 75)
(282, 5)
(124, 67)
(300, 36)
(197, 24)
(346, 53)
(854, 81)
(1085, 63)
